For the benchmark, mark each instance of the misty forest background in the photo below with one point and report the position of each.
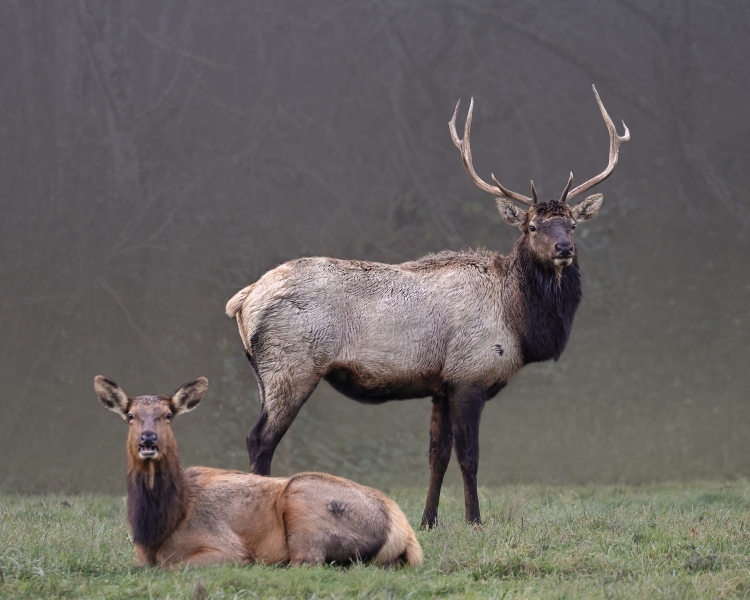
(159, 156)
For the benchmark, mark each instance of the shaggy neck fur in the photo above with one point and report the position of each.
(549, 299)
(157, 502)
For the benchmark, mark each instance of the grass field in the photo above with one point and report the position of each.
(665, 541)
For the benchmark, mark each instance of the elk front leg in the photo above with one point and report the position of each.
(441, 441)
(466, 411)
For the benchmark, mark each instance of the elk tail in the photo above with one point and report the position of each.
(413, 555)
(235, 303)
(401, 546)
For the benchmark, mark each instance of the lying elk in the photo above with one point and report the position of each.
(456, 326)
(203, 516)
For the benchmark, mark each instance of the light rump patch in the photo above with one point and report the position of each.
(203, 516)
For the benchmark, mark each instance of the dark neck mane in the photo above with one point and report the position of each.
(549, 300)
(157, 502)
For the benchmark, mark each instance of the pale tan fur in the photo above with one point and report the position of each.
(231, 517)
(406, 321)
(235, 303)
(245, 518)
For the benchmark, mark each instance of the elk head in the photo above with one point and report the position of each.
(547, 226)
(150, 436)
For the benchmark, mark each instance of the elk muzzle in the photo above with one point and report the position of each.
(148, 445)
(564, 251)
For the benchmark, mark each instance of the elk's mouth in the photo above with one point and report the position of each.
(562, 262)
(147, 452)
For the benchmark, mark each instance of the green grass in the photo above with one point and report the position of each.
(666, 541)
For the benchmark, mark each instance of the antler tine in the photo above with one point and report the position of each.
(614, 150)
(464, 145)
(564, 195)
(533, 193)
(514, 195)
(452, 127)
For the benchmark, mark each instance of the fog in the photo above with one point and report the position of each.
(159, 156)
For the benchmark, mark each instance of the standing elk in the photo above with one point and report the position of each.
(203, 516)
(456, 326)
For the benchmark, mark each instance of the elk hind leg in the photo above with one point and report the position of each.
(466, 411)
(313, 557)
(281, 399)
(441, 441)
(211, 556)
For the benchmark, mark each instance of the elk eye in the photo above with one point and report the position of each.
(130, 416)
(169, 416)
(575, 225)
(532, 228)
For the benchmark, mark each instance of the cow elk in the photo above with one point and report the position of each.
(201, 516)
(456, 326)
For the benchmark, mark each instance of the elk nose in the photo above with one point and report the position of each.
(148, 439)
(564, 249)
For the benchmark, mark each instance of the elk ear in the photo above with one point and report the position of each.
(511, 214)
(586, 209)
(111, 395)
(189, 395)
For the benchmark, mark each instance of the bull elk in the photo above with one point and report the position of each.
(203, 516)
(456, 326)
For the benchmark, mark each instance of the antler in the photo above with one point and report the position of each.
(614, 149)
(465, 148)
(567, 187)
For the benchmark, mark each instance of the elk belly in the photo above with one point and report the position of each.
(364, 385)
